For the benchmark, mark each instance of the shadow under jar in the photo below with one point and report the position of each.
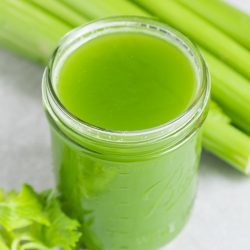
(125, 98)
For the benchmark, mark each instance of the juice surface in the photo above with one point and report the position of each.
(126, 81)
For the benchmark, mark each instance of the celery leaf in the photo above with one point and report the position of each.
(30, 220)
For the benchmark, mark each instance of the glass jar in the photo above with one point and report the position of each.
(130, 190)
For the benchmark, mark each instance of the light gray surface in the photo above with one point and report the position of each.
(221, 216)
(24, 140)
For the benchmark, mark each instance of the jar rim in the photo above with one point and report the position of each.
(85, 33)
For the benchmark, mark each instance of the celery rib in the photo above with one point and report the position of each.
(221, 14)
(14, 30)
(9, 41)
(31, 26)
(47, 23)
(201, 31)
(226, 141)
(231, 90)
(61, 11)
(103, 8)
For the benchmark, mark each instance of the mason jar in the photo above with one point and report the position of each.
(129, 190)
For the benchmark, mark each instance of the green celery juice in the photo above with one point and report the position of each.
(125, 166)
(126, 81)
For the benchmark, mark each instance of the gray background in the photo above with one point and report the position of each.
(221, 216)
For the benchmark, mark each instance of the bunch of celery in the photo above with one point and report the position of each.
(33, 27)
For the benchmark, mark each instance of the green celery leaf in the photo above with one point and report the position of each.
(21, 210)
(63, 230)
(32, 221)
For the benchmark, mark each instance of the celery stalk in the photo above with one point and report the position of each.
(229, 19)
(10, 41)
(30, 26)
(61, 11)
(201, 31)
(103, 8)
(231, 90)
(226, 141)
(18, 33)
(33, 14)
